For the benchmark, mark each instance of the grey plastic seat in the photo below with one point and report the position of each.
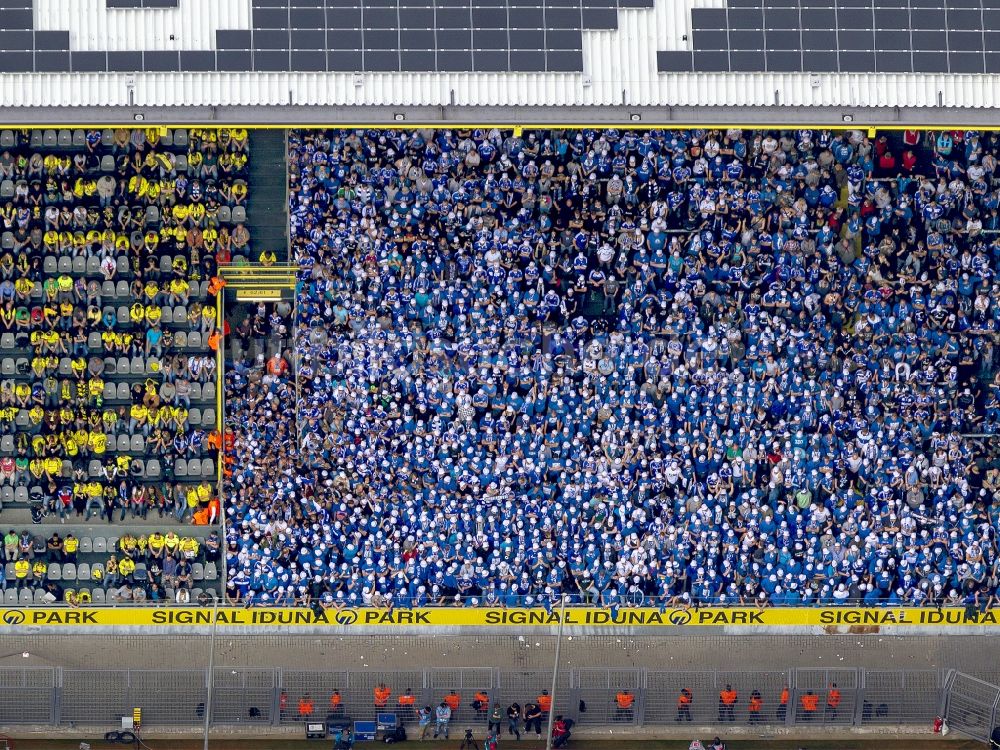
(138, 366)
(100, 545)
(165, 264)
(7, 366)
(22, 420)
(180, 314)
(108, 289)
(7, 444)
(79, 138)
(21, 494)
(86, 545)
(166, 315)
(10, 596)
(137, 444)
(181, 339)
(181, 163)
(181, 137)
(207, 467)
(239, 215)
(7, 189)
(7, 341)
(181, 467)
(83, 572)
(153, 469)
(123, 443)
(198, 571)
(122, 290)
(79, 265)
(25, 597)
(194, 416)
(65, 264)
(122, 265)
(7, 240)
(225, 215)
(94, 468)
(6, 494)
(109, 391)
(65, 366)
(208, 415)
(124, 393)
(124, 316)
(167, 139)
(93, 265)
(110, 366)
(69, 572)
(152, 216)
(65, 139)
(7, 139)
(98, 595)
(54, 573)
(35, 139)
(194, 468)
(108, 163)
(211, 571)
(50, 265)
(123, 366)
(194, 340)
(195, 394)
(50, 139)
(38, 597)
(94, 341)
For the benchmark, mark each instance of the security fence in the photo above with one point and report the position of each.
(592, 697)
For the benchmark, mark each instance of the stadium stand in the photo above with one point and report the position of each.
(110, 242)
(674, 367)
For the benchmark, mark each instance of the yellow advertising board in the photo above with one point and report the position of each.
(599, 617)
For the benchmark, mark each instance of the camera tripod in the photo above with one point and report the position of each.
(469, 742)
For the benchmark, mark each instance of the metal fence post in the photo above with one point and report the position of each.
(949, 678)
(276, 698)
(859, 699)
(793, 697)
(56, 712)
(640, 699)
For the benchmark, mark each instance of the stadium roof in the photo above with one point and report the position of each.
(488, 53)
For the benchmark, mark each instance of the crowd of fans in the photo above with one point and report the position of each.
(669, 368)
(107, 318)
(153, 567)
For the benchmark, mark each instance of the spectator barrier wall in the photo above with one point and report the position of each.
(270, 697)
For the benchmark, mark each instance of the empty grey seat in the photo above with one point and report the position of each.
(195, 394)
(22, 420)
(107, 163)
(7, 444)
(138, 366)
(207, 467)
(110, 366)
(208, 416)
(239, 215)
(181, 163)
(110, 391)
(50, 139)
(107, 136)
(123, 366)
(152, 215)
(194, 416)
(94, 467)
(181, 468)
(65, 366)
(211, 571)
(124, 393)
(69, 572)
(166, 315)
(123, 443)
(65, 264)
(124, 316)
(194, 468)
(50, 265)
(198, 571)
(194, 340)
(153, 469)
(7, 366)
(7, 139)
(98, 595)
(86, 545)
(94, 341)
(65, 139)
(25, 597)
(38, 597)
(54, 572)
(10, 596)
(7, 341)
(100, 545)
(21, 494)
(137, 444)
(122, 290)
(6, 494)
(165, 264)
(7, 240)
(181, 137)
(83, 572)
(167, 139)
(35, 139)
(79, 138)
(79, 265)
(180, 314)
(225, 215)
(9, 571)
(7, 189)
(122, 265)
